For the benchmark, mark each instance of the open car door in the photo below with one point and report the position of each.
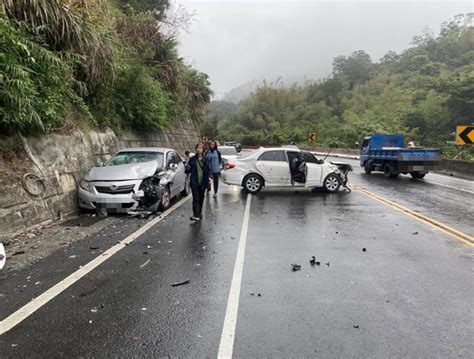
(314, 172)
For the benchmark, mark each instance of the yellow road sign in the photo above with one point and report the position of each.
(465, 135)
(312, 137)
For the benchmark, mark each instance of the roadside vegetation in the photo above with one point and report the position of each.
(423, 92)
(103, 62)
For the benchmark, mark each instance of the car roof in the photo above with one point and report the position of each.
(146, 149)
(284, 148)
(220, 147)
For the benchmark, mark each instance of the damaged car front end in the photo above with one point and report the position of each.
(125, 184)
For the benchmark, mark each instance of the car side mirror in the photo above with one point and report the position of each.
(321, 162)
(173, 166)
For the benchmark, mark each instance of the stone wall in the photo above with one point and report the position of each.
(53, 166)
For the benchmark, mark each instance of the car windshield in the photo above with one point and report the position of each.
(228, 151)
(126, 158)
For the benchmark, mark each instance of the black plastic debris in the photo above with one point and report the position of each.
(414, 233)
(94, 247)
(356, 326)
(18, 253)
(177, 284)
(259, 295)
(364, 249)
(327, 264)
(295, 267)
(312, 261)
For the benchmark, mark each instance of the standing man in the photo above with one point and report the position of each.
(199, 172)
(214, 159)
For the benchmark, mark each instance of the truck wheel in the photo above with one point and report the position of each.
(389, 171)
(332, 183)
(367, 168)
(253, 183)
(417, 175)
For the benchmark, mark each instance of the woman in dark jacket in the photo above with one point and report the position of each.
(199, 170)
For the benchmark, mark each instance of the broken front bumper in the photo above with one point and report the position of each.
(123, 196)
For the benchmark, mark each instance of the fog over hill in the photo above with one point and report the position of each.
(241, 42)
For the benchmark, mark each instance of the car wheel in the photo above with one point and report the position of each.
(367, 168)
(332, 183)
(186, 189)
(165, 199)
(417, 175)
(389, 171)
(253, 183)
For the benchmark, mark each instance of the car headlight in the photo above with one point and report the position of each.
(86, 186)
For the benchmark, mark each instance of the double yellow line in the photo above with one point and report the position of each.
(463, 237)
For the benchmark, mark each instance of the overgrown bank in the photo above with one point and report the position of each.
(423, 92)
(106, 61)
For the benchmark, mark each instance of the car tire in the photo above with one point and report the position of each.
(186, 188)
(165, 199)
(389, 171)
(253, 183)
(417, 175)
(331, 183)
(367, 167)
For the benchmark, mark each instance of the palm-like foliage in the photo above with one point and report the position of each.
(68, 28)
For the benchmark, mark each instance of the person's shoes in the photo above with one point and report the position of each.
(193, 218)
(215, 195)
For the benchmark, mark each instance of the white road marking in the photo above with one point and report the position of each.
(28, 309)
(226, 345)
(451, 178)
(447, 186)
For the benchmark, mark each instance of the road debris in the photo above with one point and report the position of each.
(94, 247)
(327, 264)
(72, 256)
(17, 253)
(414, 233)
(144, 264)
(364, 249)
(295, 267)
(312, 261)
(356, 326)
(177, 284)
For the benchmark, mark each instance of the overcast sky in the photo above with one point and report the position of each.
(238, 41)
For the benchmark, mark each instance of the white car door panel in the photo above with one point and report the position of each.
(274, 168)
(313, 175)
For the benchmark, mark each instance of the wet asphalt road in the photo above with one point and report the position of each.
(409, 294)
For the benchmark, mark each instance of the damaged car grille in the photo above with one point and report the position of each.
(114, 189)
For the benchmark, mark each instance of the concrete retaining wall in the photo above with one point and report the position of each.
(52, 166)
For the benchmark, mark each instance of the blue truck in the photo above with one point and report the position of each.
(387, 153)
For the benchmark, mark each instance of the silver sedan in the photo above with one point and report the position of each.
(133, 179)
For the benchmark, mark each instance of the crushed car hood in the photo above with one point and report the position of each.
(123, 172)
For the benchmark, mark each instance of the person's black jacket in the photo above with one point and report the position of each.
(191, 168)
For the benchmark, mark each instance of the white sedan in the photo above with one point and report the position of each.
(284, 167)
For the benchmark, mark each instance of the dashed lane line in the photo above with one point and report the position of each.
(28, 309)
(226, 345)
